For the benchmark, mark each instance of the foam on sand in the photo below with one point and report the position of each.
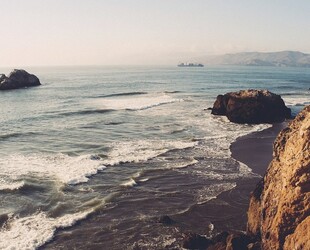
(211, 192)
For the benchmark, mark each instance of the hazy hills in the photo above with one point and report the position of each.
(280, 59)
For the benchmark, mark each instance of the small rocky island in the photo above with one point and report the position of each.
(252, 107)
(17, 79)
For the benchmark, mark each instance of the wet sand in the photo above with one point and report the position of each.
(228, 212)
(129, 230)
(255, 150)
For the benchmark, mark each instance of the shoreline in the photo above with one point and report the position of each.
(255, 149)
(228, 211)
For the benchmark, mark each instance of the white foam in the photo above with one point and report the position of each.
(294, 101)
(129, 183)
(218, 131)
(33, 231)
(67, 169)
(135, 102)
(210, 192)
(10, 184)
(142, 150)
(172, 165)
(244, 169)
(144, 180)
(78, 169)
(222, 133)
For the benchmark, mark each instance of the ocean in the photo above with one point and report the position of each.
(93, 157)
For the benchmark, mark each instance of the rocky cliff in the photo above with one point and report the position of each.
(279, 210)
(280, 206)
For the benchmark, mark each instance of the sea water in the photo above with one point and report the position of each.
(96, 153)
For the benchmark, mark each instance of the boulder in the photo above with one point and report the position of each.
(18, 78)
(280, 207)
(165, 220)
(196, 241)
(251, 106)
(3, 219)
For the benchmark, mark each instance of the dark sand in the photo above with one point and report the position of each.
(228, 212)
(255, 150)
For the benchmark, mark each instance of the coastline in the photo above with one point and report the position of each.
(228, 211)
(255, 149)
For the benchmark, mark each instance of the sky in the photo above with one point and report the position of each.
(146, 32)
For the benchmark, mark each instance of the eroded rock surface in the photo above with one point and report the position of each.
(251, 106)
(280, 207)
(17, 79)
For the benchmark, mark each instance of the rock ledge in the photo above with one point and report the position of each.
(279, 211)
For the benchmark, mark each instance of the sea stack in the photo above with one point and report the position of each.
(279, 211)
(252, 107)
(17, 79)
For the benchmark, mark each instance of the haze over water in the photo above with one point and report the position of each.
(146, 32)
(93, 157)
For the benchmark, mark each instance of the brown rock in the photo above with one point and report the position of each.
(255, 246)
(300, 239)
(254, 212)
(251, 106)
(283, 208)
(18, 78)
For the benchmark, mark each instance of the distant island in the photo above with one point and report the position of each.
(190, 65)
(278, 59)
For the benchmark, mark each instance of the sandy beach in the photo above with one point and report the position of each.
(228, 212)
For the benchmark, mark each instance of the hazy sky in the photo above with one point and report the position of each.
(109, 32)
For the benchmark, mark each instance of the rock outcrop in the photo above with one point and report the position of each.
(251, 106)
(279, 210)
(222, 241)
(280, 206)
(17, 79)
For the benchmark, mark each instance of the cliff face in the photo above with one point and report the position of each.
(280, 206)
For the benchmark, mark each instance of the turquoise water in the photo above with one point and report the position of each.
(91, 138)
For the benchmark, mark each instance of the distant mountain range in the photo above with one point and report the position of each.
(280, 59)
